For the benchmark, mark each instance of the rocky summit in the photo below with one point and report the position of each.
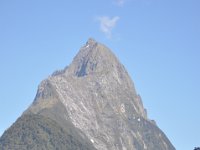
(91, 104)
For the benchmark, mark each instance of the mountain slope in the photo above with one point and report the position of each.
(97, 97)
(33, 132)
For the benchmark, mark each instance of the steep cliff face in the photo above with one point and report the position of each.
(96, 94)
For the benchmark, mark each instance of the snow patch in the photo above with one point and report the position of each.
(123, 108)
(92, 140)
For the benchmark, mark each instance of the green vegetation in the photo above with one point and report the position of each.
(36, 132)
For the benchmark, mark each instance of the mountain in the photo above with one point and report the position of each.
(91, 104)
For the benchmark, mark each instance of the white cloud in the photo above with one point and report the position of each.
(120, 2)
(107, 24)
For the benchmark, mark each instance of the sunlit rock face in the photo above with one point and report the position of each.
(96, 94)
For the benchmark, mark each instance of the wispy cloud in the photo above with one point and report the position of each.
(120, 2)
(107, 24)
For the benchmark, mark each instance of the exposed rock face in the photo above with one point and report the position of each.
(96, 94)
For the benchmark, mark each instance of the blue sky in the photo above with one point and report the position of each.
(158, 41)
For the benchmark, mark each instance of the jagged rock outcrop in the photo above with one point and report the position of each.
(97, 96)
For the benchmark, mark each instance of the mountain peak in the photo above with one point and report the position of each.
(92, 58)
(91, 42)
